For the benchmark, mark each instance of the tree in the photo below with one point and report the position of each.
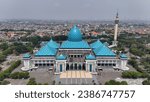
(7, 51)
(124, 83)
(133, 62)
(133, 74)
(6, 73)
(146, 82)
(32, 81)
(4, 46)
(113, 82)
(35, 40)
(20, 75)
(2, 58)
(4, 82)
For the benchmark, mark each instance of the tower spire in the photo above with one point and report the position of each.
(116, 29)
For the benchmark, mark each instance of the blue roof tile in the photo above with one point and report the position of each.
(61, 57)
(123, 56)
(90, 57)
(104, 51)
(75, 45)
(53, 44)
(27, 55)
(96, 44)
(46, 51)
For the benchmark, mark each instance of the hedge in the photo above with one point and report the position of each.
(133, 74)
(20, 75)
(113, 82)
(6, 73)
(4, 82)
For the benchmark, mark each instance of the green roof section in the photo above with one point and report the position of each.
(90, 57)
(75, 45)
(104, 51)
(46, 51)
(96, 44)
(53, 44)
(123, 56)
(61, 57)
(27, 55)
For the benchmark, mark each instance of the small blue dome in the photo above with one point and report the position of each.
(75, 34)
(61, 57)
(27, 55)
(90, 57)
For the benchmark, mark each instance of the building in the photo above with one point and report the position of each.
(75, 54)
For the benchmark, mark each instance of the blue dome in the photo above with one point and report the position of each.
(75, 34)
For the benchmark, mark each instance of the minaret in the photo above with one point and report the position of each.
(116, 29)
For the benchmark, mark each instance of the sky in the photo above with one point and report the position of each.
(75, 9)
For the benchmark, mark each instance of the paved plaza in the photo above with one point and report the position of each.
(76, 74)
(76, 78)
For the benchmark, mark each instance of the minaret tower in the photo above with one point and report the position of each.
(116, 30)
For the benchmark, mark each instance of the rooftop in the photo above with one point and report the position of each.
(104, 51)
(46, 51)
(75, 45)
(61, 57)
(53, 44)
(90, 57)
(96, 44)
(27, 55)
(123, 56)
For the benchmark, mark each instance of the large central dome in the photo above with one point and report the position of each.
(75, 34)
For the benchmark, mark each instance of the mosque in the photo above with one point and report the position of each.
(75, 54)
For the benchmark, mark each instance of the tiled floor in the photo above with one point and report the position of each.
(76, 78)
(75, 74)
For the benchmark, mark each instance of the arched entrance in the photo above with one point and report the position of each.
(80, 67)
(75, 66)
(67, 67)
(60, 67)
(83, 67)
(71, 67)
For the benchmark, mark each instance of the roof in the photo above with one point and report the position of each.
(75, 34)
(123, 56)
(75, 45)
(96, 44)
(90, 57)
(53, 44)
(27, 55)
(46, 51)
(61, 57)
(104, 51)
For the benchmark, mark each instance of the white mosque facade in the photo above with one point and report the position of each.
(75, 54)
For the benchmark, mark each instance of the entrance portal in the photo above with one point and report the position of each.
(75, 66)
(83, 67)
